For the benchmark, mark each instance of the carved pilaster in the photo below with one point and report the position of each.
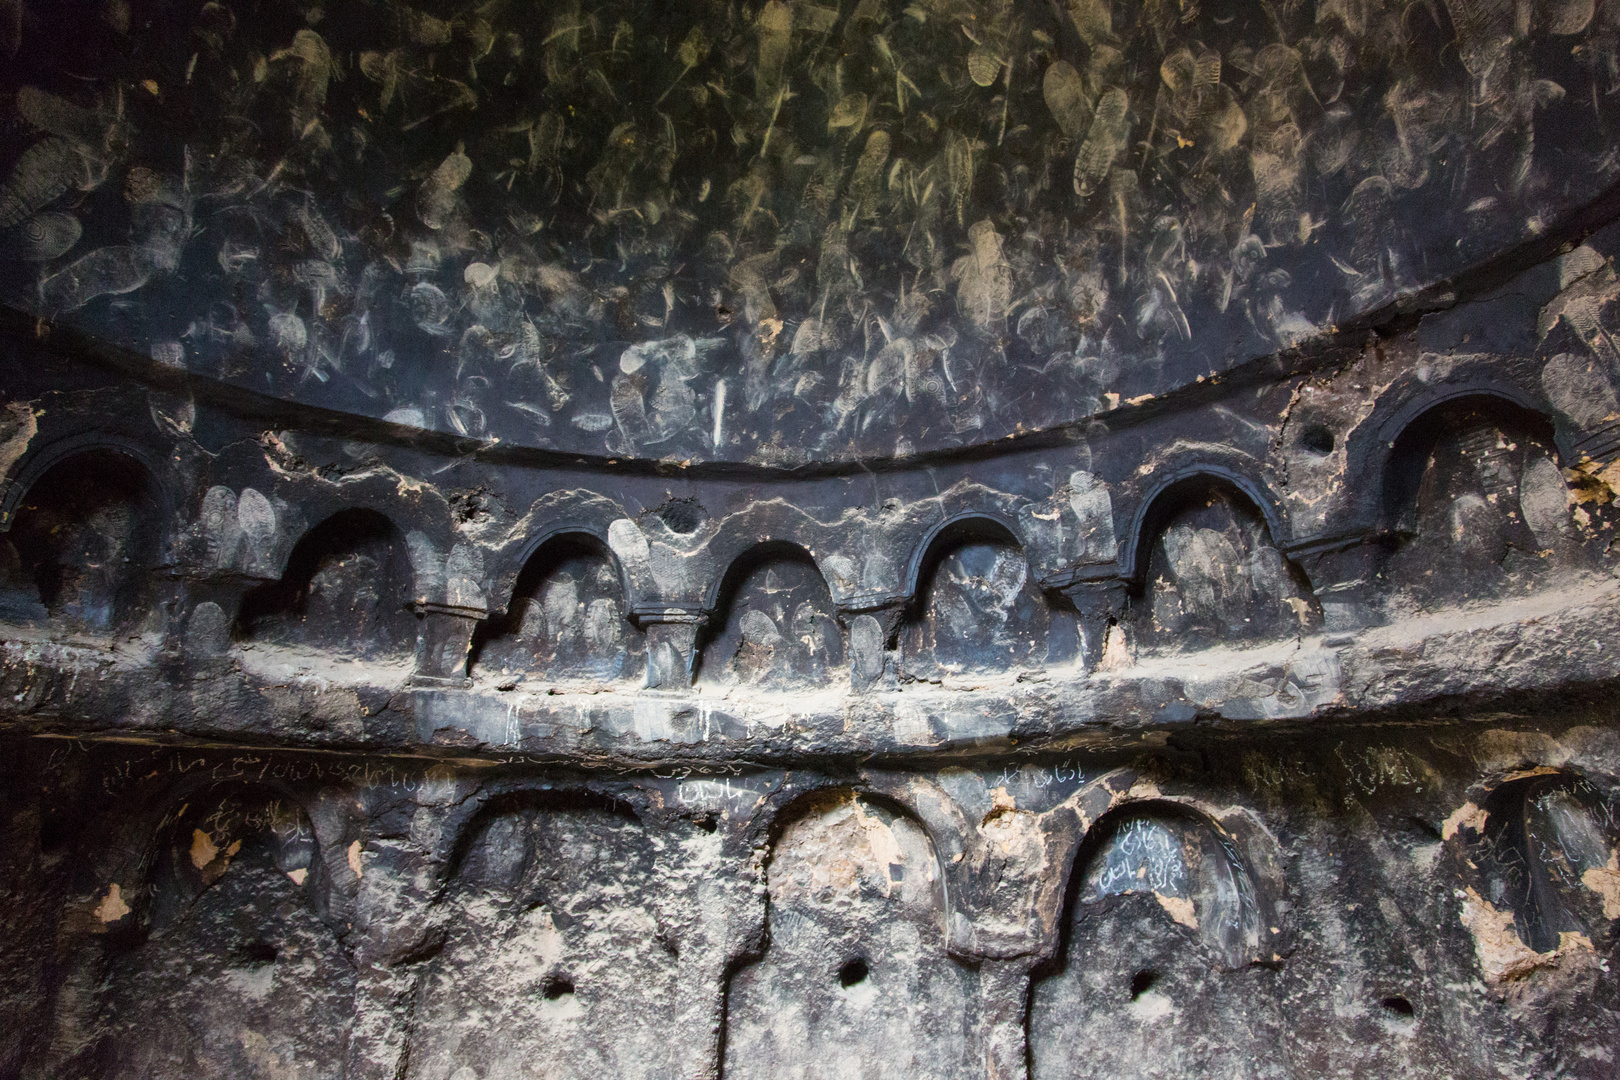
(1000, 1028)
(442, 643)
(1341, 572)
(872, 624)
(672, 635)
(1099, 597)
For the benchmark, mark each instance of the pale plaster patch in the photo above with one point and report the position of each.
(1503, 956)
(1180, 909)
(1605, 881)
(1467, 815)
(112, 906)
(1116, 653)
(203, 849)
(18, 426)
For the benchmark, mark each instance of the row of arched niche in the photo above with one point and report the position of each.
(575, 942)
(1475, 505)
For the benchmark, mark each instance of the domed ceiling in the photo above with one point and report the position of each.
(785, 233)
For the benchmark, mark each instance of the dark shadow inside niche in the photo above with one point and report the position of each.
(235, 943)
(978, 608)
(566, 620)
(1475, 503)
(1549, 855)
(1210, 575)
(346, 587)
(775, 626)
(82, 543)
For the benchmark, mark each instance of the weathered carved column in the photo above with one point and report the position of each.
(728, 925)
(872, 622)
(391, 877)
(672, 634)
(442, 642)
(1098, 594)
(1341, 571)
(1003, 1003)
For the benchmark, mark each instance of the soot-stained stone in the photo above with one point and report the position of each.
(771, 231)
(781, 538)
(1479, 505)
(776, 629)
(1215, 576)
(566, 620)
(1139, 996)
(566, 925)
(237, 974)
(855, 980)
(980, 610)
(78, 545)
(346, 587)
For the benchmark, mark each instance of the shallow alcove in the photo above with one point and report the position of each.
(775, 626)
(978, 608)
(237, 976)
(346, 588)
(566, 620)
(1475, 504)
(82, 543)
(566, 920)
(1153, 979)
(857, 941)
(1211, 575)
(1550, 855)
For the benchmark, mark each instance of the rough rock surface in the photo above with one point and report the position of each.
(789, 539)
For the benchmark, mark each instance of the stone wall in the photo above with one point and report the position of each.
(793, 540)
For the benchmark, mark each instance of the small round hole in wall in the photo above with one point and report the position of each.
(853, 973)
(683, 516)
(259, 951)
(1399, 1007)
(1318, 439)
(557, 987)
(1142, 982)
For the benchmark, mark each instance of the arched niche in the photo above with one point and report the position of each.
(857, 940)
(1162, 923)
(977, 607)
(1475, 503)
(567, 920)
(81, 543)
(773, 626)
(566, 619)
(1209, 573)
(1548, 854)
(236, 976)
(346, 588)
